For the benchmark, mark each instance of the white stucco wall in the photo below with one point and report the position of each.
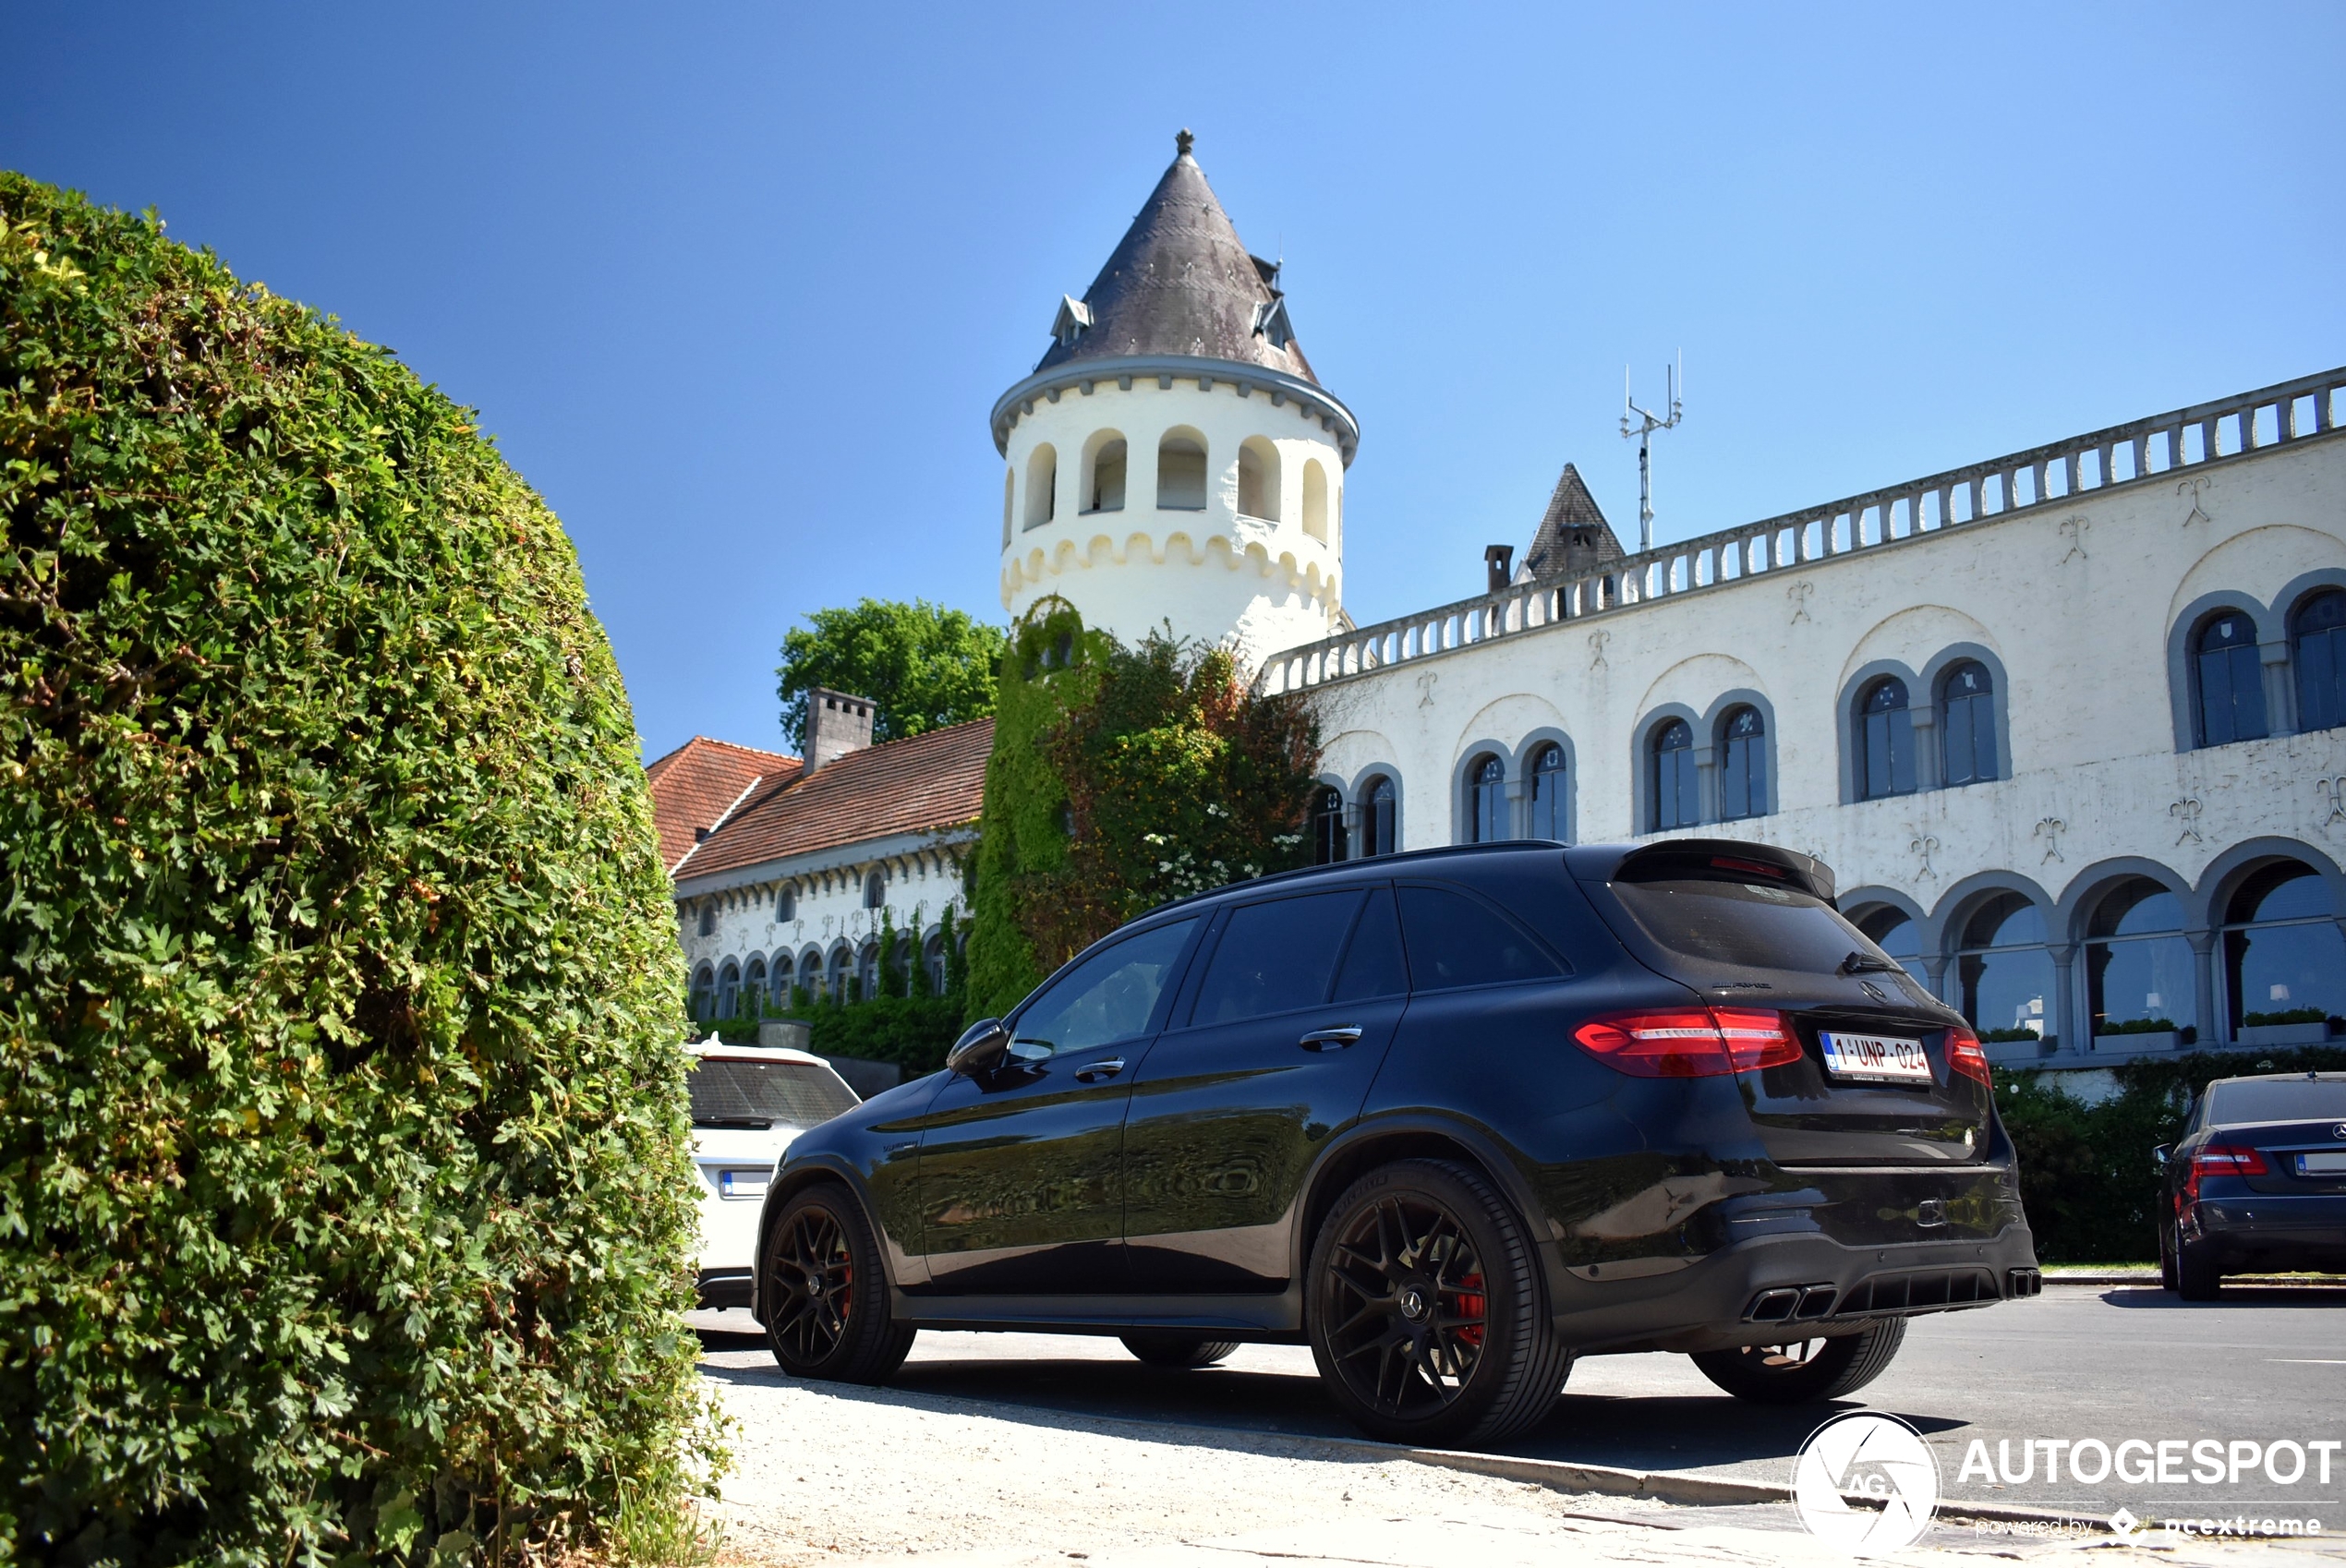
(2080, 603)
(921, 879)
(1212, 573)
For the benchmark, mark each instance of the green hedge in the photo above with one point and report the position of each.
(2085, 1172)
(345, 1211)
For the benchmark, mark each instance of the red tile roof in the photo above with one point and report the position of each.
(696, 784)
(929, 782)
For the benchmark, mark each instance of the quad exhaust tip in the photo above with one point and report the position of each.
(1788, 1302)
(1920, 1291)
(2025, 1282)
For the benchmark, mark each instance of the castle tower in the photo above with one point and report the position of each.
(1172, 459)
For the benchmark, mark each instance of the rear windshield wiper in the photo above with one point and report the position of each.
(1865, 963)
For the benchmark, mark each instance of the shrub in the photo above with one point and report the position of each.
(2085, 1172)
(2287, 1015)
(344, 1202)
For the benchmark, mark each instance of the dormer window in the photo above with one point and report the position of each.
(1074, 319)
(1271, 322)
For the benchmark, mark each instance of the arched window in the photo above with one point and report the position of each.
(933, 960)
(2318, 647)
(708, 926)
(2232, 680)
(867, 971)
(875, 890)
(1486, 801)
(2003, 974)
(1885, 742)
(843, 965)
(1315, 499)
(1743, 766)
(729, 989)
(1104, 490)
(1042, 486)
(1379, 808)
(704, 998)
(1548, 818)
(754, 988)
(1259, 479)
(1892, 931)
(786, 904)
(1328, 845)
(2138, 967)
(1009, 497)
(779, 983)
(2284, 958)
(1967, 723)
(1181, 473)
(1677, 797)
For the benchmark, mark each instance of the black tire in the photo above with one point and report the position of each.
(1427, 1311)
(2168, 1276)
(1178, 1353)
(824, 1294)
(2196, 1278)
(1814, 1369)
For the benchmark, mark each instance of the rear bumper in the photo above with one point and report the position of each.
(724, 1287)
(2271, 1231)
(1771, 1288)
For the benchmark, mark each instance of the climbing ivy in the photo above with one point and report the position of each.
(1122, 777)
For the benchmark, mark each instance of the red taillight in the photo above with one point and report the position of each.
(2220, 1160)
(1690, 1042)
(1964, 1056)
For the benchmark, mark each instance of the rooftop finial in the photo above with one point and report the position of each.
(1184, 141)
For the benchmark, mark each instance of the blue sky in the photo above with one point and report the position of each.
(736, 287)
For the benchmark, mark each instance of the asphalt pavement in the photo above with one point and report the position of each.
(2264, 1366)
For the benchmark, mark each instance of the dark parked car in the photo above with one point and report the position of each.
(2256, 1183)
(1452, 1118)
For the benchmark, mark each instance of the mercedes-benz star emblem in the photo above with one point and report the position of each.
(1876, 992)
(1413, 1302)
(2339, 1132)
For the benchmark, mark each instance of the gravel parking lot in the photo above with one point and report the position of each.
(827, 1474)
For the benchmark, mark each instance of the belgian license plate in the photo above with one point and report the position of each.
(742, 1184)
(1875, 1058)
(2322, 1165)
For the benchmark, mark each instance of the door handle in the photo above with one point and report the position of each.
(1330, 1038)
(1093, 1072)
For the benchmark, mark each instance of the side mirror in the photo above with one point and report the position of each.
(980, 1047)
(2158, 1157)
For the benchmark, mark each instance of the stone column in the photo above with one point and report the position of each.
(2280, 692)
(2076, 1032)
(1706, 779)
(2203, 971)
(1924, 715)
(1520, 806)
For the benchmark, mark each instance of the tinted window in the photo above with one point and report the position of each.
(1455, 940)
(1373, 964)
(1108, 996)
(1739, 923)
(2276, 1100)
(1275, 958)
(763, 1093)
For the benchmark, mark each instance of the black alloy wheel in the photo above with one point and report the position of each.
(824, 1295)
(1427, 1312)
(1178, 1353)
(1806, 1370)
(2168, 1274)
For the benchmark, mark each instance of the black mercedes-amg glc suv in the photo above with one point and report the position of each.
(1452, 1118)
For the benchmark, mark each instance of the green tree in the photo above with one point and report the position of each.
(344, 1200)
(923, 666)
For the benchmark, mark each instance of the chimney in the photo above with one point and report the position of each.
(836, 725)
(1499, 562)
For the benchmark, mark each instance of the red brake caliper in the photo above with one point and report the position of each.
(1470, 1305)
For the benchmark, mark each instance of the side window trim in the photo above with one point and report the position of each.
(1565, 970)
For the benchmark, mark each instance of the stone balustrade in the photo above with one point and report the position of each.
(2123, 455)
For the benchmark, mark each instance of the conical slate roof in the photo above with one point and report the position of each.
(1180, 282)
(1574, 536)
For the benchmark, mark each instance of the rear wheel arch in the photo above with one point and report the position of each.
(1381, 1143)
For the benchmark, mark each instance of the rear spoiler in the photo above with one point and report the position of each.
(1726, 860)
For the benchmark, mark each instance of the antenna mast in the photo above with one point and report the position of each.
(1647, 424)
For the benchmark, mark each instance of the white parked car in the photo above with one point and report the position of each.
(748, 1102)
